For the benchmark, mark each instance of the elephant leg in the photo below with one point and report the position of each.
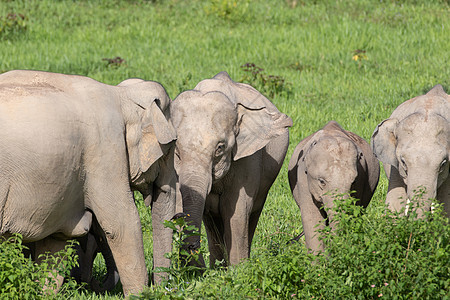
(237, 204)
(163, 208)
(51, 246)
(86, 251)
(272, 158)
(236, 233)
(90, 245)
(100, 243)
(253, 222)
(396, 198)
(258, 205)
(214, 230)
(117, 215)
(235, 215)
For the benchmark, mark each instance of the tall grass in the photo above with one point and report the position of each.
(309, 44)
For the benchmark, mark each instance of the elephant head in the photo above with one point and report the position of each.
(334, 164)
(330, 162)
(415, 144)
(331, 167)
(149, 133)
(218, 123)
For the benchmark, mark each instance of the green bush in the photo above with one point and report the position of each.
(270, 85)
(368, 256)
(12, 24)
(230, 10)
(22, 278)
(390, 255)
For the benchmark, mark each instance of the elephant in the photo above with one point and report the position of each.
(413, 145)
(72, 149)
(231, 143)
(89, 246)
(331, 160)
(95, 241)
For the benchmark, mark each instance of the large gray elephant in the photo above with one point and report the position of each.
(331, 160)
(95, 241)
(231, 144)
(414, 146)
(70, 147)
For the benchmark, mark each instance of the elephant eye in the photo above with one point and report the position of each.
(220, 149)
(322, 181)
(402, 161)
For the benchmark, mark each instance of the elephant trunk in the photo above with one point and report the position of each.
(421, 188)
(338, 192)
(195, 185)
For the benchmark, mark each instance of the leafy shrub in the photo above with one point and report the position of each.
(384, 256)
(183, 262)
(12, 24)
(230, 10)
(115, 62)
(22, 278)
(270, 85)
(368, 256)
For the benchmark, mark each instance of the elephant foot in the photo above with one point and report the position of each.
(107, 285)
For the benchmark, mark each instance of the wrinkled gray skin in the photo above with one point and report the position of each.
(69, 148)
(330, 161)
(414, 145)
(95, 241)
(230, 147)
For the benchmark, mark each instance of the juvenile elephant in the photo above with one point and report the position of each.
(231, 144)
(89, 246)
(328, 161)
(414, 145)
(69, 148)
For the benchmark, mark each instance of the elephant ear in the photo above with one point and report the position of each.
(259, 121)
(384, 142)
(149, 129)
(257, 125)
(156, 131)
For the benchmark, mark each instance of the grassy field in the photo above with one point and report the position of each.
(349, 61)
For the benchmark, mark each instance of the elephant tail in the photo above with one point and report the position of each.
(297, 238)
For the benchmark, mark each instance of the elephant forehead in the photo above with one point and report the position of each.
(423, 127)
(211, 110)
(332, 155)
(335, 148)
(415, 150)
(201, 120)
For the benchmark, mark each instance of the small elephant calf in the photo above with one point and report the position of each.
(330, 160)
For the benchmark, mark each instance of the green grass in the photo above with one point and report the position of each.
(178, 43)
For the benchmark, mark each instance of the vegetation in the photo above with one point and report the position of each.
(21, 278)
(370, 256)
(350, 61)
